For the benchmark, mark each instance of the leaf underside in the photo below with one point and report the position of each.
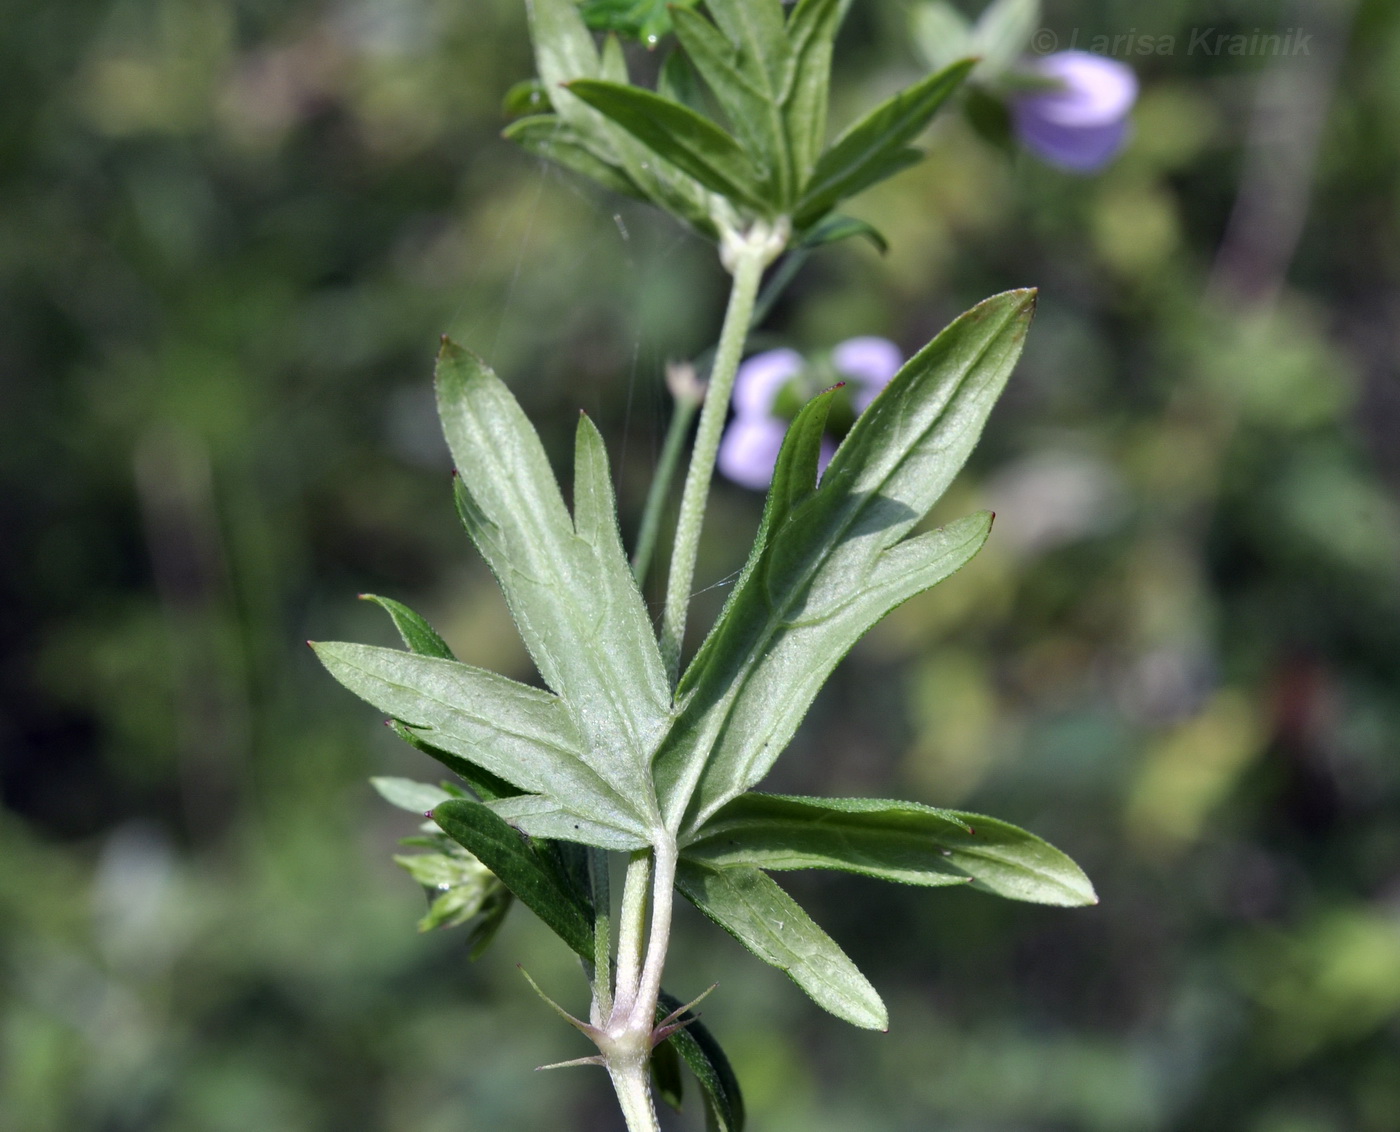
(752, 908)
(890, 840)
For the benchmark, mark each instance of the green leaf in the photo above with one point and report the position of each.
(455, 900)
(644, 20)
(550, 137)
(889, 840)
(876, 146)
(666, 1072)
(526, 97)
(415, 797)
(751, 907)
(418, 636)
(518, 733)
(941, 33)
(824, 570)
(488, 921)
(680, 82)
(755, 27)
(679, 135)
(521, 867)
(569, 590)
(748, 95)
(564, 51)
(544, 817)
(1003, 33)
(811, 30)
(991, 118)
(836, 227)
(724, 1103)
(484, 784)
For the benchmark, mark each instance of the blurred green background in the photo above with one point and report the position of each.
(230, 234)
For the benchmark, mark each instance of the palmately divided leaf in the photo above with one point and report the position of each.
(485, 785)
(890, 840)
(592, 144)
(564, 51)
(570, 590)
(1003, 32)
(755, 27)
(677, 134)
(876, 147)
(748, 92)
(521, 867)
(521, 734)
(752, 908)
(825, 569)
(544, 817)
(811, 29)
(550, 137)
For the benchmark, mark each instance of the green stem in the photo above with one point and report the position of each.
(602, 941)
(783, 276)
(746, 256)
(632, 1083)
(687, 394)
(663, 890)
(631, 929)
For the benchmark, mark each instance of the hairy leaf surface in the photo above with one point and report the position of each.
(831, 560)
(891, 840)
(568, 584)
(752, 908)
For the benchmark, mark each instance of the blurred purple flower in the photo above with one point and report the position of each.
(749, 450)
(1082, 123)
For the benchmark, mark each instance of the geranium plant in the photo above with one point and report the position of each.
(628, 750)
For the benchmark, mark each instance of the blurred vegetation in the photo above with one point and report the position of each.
(231, 233)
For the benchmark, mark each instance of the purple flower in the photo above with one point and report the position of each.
(749, 449)
(1082, 122)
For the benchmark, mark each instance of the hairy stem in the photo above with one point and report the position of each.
(630, 929)
(663, 891)
(632, 1083)
(745, 256)
(625, 1039)
(687, 393)
(602, 936)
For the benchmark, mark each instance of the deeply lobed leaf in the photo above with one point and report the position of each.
(677, 134)
(830, 561)
(521, 734)
(565, 579)
(876, 146)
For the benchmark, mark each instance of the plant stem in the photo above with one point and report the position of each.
(785, 273)
(632, 1083)
(625, 1039)
(688, 394)
(602, 937)
(631, 925)
(745, 255)
(663, 891)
